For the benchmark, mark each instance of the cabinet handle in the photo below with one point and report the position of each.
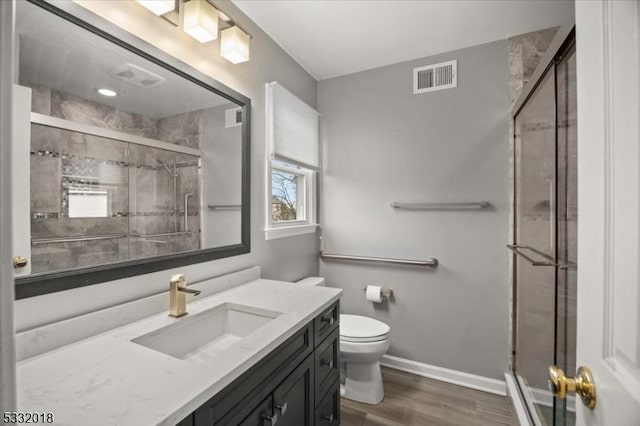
(328, 320)
(269, 420)
(328, 418)
(282, 408)
(327, 363)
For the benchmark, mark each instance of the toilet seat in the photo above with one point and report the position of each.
(359, 329)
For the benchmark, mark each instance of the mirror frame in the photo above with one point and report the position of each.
(39, 284)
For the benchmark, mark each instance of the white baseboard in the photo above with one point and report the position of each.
(455, 377)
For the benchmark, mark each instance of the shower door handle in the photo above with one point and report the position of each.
(582, 384)
(552, 215)
(186, 211)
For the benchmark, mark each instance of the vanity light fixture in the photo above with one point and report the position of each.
(158, 7)
(107, 92)
(234, 45)
(200, 20)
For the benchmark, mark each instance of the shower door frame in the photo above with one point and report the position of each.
(562, 43)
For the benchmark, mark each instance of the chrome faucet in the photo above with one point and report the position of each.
(177, 295)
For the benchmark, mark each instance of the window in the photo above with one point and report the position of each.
(287, 195)
(292, 198)
(88, 203)
(292, 164)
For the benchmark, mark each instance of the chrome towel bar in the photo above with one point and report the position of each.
(479, 205)
(224, 207)
(431, 262)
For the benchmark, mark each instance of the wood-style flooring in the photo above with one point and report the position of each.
(415, 400)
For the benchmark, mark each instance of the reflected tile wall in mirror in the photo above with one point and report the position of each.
(146, 198)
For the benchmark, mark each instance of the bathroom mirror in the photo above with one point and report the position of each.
(134, 162)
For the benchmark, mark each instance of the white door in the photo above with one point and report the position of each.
(608, 79)
(20, 181)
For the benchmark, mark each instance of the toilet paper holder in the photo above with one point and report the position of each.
(386, 292)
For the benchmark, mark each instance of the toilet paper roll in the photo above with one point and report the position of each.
(374, 293)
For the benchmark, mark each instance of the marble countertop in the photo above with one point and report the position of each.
(109, 380)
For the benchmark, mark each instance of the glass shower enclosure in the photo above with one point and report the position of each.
(545, 238)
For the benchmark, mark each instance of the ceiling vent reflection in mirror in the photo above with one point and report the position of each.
(138, 76)
(435, 77)
(233, 117)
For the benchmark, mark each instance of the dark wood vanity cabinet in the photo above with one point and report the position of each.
(297, 384)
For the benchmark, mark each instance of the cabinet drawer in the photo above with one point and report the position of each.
(327, 362)
(326, 322)
(328, 410)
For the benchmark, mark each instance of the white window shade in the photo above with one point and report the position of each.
(293, 128)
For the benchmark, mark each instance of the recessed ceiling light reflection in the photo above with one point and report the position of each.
(107, 92)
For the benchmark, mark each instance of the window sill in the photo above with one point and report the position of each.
(288, 231)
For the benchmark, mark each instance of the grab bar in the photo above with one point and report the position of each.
(516, 247)
(38, 241)
(431, 262)
(479, 205)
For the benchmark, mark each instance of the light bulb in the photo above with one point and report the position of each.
(234, 45)
(200, 20)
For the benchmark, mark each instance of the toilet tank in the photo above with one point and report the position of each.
(317, 281)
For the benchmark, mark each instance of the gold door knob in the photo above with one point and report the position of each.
(20, 262)
(582, 383)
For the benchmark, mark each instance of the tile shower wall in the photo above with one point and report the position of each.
(146, 187)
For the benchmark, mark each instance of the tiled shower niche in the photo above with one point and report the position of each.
(96, 200)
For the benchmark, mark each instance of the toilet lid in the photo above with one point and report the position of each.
(358, 328)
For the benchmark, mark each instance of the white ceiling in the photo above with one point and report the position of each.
(330, 38)
(60, 55)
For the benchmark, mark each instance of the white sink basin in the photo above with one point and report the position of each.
(210, 331)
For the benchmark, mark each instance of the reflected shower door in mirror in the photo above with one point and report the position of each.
(131, 160)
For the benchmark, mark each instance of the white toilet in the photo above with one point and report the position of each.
(363, 341)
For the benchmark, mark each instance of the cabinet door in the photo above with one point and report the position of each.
(293, 398)
(262, 415)
(328, 410)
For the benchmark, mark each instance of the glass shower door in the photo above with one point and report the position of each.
(567, 212)
(545, 234)
(535, 237)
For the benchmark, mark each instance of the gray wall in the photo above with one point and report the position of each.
(222, 151)
(286, 259)
(384, 144)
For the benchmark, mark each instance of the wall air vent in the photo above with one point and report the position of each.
(136, 75)
(233, 117)
(435, 77)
